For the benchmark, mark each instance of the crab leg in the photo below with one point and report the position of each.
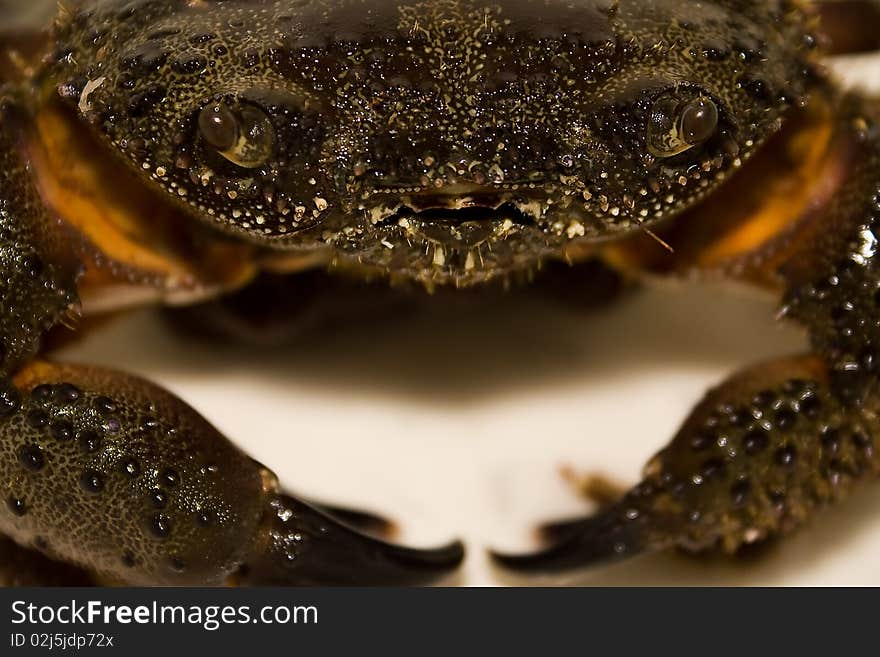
(38, 285)
(775, 443)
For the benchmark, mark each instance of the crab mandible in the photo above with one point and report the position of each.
(171, 151)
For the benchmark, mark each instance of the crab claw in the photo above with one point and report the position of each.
(363, 521)
(577, 544)
(303, 545)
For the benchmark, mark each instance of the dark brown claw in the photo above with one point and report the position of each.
(363, 521)
(584, 543)
(756, 459)
(307, 547)
(611, 535)
(188, 507)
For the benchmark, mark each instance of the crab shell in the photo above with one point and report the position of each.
(448, 142)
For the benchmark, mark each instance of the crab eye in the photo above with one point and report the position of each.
(242, 134)
(699, 120)
(218, 127)
(674, 126)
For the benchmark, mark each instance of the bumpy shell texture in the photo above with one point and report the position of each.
(450, 139)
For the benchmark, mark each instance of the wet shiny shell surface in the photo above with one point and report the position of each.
(449, 141)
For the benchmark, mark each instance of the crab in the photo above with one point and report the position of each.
(208, 154)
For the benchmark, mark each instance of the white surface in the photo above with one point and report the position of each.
(457, 423)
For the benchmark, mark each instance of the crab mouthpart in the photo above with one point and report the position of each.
(457, 217)
(452, 209)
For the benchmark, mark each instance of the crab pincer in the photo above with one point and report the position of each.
(758, 457)
(118, 477)
(341, 555)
